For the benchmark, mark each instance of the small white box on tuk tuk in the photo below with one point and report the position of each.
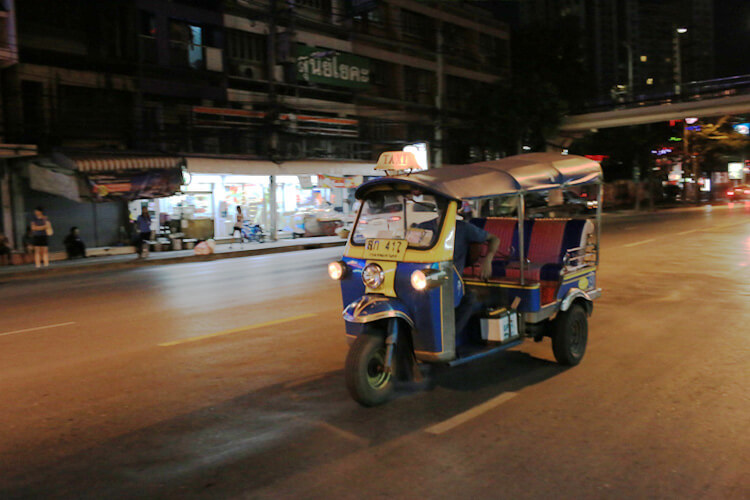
(500, 327)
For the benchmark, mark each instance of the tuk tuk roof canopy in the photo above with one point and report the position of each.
(511, 175)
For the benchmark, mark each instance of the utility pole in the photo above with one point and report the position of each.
(676, 32)
(439, 99)
(272, 116)
(629, 49)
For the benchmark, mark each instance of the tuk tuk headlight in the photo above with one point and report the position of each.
(337, 270)
(422, 279)
(373, 276)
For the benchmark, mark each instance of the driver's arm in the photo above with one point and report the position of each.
(485, 269)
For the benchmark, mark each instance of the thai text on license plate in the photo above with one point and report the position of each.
(385, 249)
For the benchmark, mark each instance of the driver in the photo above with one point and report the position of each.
(466, 234)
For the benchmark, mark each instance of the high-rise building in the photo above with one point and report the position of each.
(639, 44)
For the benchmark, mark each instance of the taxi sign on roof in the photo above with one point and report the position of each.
(398, 160)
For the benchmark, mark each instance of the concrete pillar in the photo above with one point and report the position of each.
(274, 209)
(7, 207)
(219, 195)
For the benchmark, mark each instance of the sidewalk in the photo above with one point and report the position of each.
(114, 262)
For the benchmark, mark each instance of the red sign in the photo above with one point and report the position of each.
(598, 158)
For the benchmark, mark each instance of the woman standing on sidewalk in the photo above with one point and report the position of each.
(41, 230)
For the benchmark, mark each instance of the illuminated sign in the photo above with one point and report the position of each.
(420, 153)
(598, 158)
(332, 67)
(662, 151)
(398, 160)
(742, 128)
(734, 170)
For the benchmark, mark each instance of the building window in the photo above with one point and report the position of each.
(376, 17)
(310, 4)
(419, 85)
(186, 45)
(456, 39)
(246, 46)
(415, 25)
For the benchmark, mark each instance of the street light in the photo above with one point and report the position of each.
(677, 59)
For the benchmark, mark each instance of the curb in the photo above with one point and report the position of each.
(116, 266)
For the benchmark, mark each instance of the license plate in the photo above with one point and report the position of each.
(385, 249)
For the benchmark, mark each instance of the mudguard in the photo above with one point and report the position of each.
(575, 293)
(371, 308)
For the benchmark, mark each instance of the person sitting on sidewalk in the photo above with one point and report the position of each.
(74, 245)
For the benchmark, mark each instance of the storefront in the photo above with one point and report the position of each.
(302, 193)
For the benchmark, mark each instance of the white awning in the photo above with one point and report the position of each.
(234, 166)
(329, 167)
(231, 166)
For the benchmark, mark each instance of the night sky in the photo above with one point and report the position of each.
(732, 37)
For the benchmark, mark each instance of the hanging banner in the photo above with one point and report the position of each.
(134, 186)
(330, 181)
(332, 67)
(53, 182)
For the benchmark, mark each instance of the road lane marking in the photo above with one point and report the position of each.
(689, 231)
(236, 330)
(464, 417)
(640, 243)
(37, 328)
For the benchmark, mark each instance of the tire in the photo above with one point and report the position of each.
(570, 335)
(365, 380)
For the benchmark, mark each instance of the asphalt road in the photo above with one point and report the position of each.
(224, 379)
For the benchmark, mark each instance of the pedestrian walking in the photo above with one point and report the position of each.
(41, 230)
(143, 226)
(238, 223)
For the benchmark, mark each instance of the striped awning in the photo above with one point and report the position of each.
(125, 163)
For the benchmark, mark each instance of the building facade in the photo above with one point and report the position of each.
(255, 98)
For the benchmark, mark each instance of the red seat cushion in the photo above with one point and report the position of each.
(546, 241)
(505, 230)
(545, 251)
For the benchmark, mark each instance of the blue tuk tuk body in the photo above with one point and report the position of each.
(400, 288)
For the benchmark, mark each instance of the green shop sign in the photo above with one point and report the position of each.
(332, 67)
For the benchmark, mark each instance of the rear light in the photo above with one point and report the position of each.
(363, 221)
(747, 191)
(730, 193)
(394, 218)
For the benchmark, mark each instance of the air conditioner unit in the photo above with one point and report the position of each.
(278, 72)
(214, 59)
(248, 70)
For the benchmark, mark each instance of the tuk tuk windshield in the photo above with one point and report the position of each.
(400, 216)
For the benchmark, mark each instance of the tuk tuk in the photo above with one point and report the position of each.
(401, 287)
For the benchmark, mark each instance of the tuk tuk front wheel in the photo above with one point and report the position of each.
(570, 335)
(366, 378)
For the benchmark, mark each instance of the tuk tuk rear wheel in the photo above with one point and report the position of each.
(570, 335)
(366, 379)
